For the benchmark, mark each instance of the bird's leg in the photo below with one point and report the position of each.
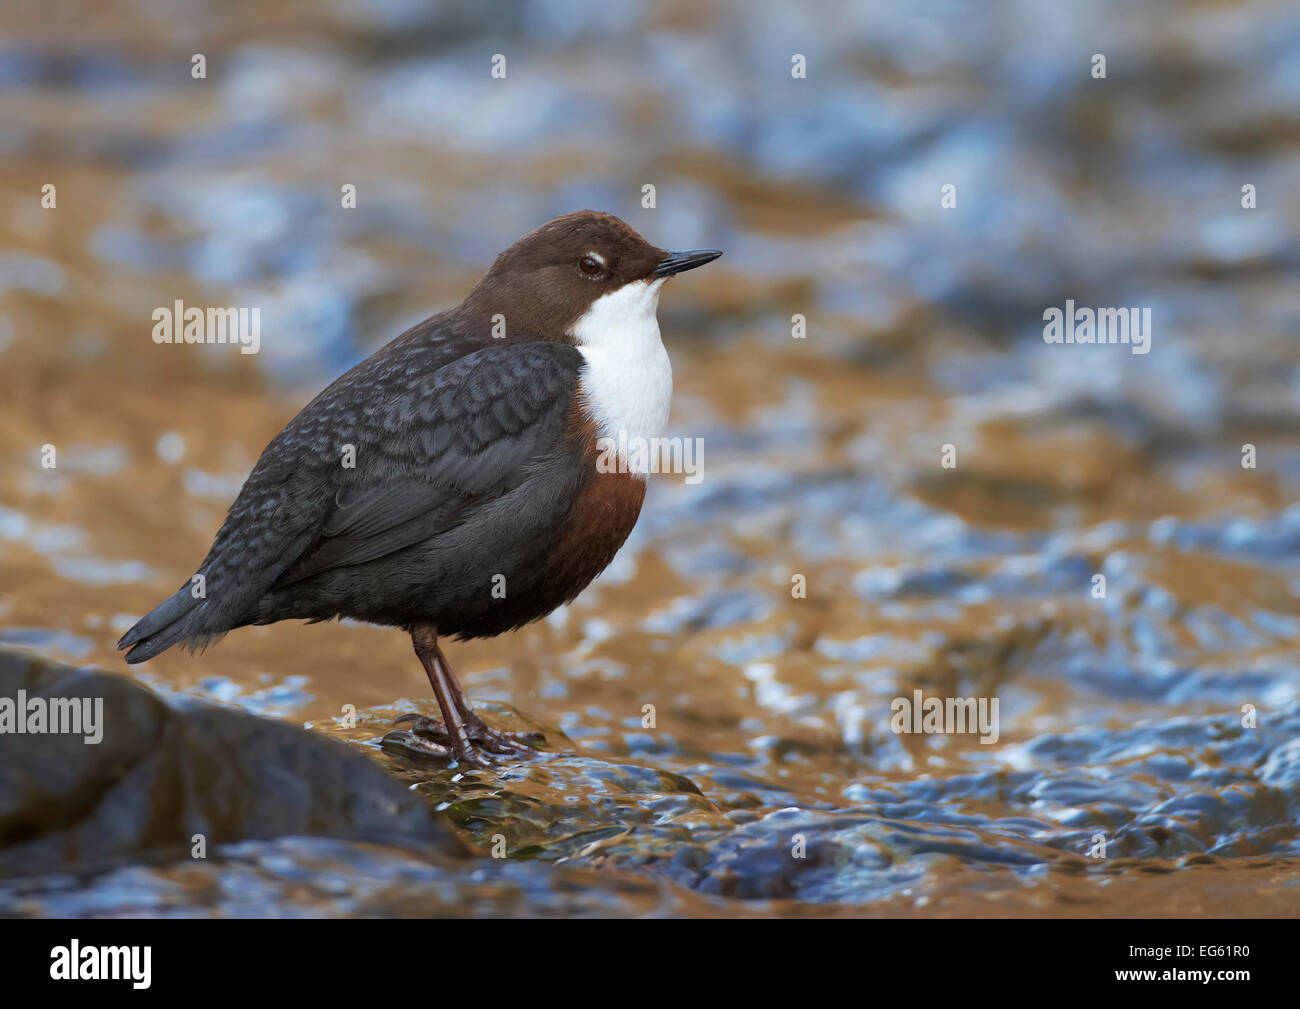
(497, 740)
(427, 736)
(426, 647)
(461, 726)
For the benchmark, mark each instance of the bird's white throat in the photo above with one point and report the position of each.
(627, 380)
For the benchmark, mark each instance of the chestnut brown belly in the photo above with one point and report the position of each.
(602, 516)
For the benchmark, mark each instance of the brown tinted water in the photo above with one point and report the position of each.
(771, 772)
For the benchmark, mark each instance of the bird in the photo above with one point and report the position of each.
(451, 483)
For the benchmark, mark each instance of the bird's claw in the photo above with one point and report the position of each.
(413, 745)
(429, 737)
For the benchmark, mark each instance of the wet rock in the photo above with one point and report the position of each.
(161, 773)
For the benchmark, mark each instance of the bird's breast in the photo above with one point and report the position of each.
(626, 381)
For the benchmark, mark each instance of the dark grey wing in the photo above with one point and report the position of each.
(359, 476)
(467, 434)
(367, 524)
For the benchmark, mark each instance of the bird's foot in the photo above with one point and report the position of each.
(480, 747)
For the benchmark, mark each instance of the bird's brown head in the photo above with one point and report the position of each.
(544, 283)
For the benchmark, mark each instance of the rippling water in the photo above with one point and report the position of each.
(828, 563)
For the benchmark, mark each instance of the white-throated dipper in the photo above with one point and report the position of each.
(448, 484)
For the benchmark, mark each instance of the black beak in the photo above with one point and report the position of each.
(679, 262)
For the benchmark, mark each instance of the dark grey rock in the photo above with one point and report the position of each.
(164, 772)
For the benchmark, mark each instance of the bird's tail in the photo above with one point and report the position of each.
(170, 622)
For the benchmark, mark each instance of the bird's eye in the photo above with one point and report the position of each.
(589, 265)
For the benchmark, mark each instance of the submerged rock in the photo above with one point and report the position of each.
(293, 823)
